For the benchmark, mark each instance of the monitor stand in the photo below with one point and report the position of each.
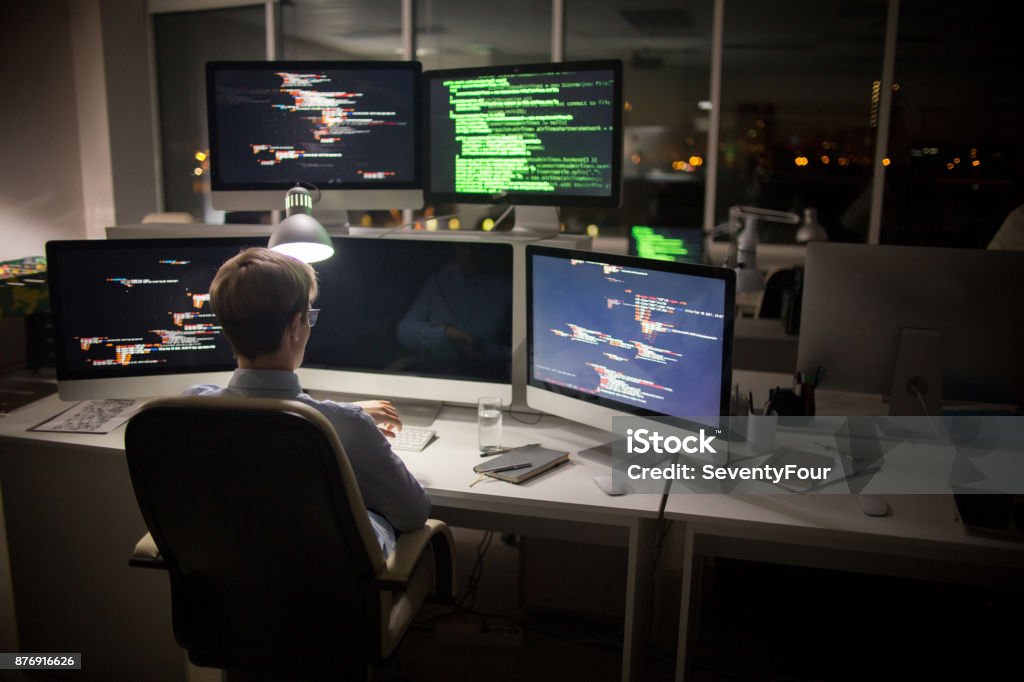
(335, 221)
(417, 413)
(541, 220)
(917, 380)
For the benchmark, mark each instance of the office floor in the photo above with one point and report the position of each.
(757, 622)
(551, 646)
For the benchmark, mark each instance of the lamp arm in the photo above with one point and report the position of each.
(733, 225)
(765, 214)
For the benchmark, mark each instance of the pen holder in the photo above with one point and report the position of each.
(761, 432)
(785, 402)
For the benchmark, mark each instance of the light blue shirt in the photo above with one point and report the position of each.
(393, 498)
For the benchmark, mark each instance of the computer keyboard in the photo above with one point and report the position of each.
(411, 438)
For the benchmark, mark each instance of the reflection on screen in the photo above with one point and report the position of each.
(679, 244)
(641, 338)
(435, 309)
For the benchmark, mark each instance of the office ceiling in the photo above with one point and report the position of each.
(645, 33)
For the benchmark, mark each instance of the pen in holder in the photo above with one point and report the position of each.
(807, 396)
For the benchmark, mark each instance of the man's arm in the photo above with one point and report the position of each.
(385, 483)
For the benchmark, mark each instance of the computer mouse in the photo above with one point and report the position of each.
(609, 486)
(873, 505)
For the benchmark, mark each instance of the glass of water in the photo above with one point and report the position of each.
(488, 419)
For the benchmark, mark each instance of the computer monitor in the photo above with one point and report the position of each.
(400, 318)
(132, 317)
(611, 335)
(426, 319)
(532, 135)
(352, 129)
(679, 244)
(906, 320)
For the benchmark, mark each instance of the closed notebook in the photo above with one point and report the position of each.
(540, 459)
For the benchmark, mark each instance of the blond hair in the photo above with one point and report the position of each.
(256, 294)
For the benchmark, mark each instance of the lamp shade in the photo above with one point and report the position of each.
(300, 235)
(811, 230)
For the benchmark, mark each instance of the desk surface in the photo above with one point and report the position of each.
(445, 467)
(57, 476)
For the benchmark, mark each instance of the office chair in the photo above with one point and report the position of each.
(777, 282)
(254, 511)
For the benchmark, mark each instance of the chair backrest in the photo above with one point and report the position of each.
(775, 285)
(255, 508)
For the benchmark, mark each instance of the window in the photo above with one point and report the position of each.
(184, 42)
(666, 55)
(800, 111)
(955, 138)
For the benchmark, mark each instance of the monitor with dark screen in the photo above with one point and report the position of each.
(611, 335)
(435, 309)
(349, 128)
(919, 324)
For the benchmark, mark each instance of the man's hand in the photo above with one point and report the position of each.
(464, 340)
(384, 415)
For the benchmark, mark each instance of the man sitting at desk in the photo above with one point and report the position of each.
(263, 301)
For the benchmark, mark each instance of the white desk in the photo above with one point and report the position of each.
(562, 504)
(920, 538)
(72, 520)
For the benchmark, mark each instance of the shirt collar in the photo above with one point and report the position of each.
(265, 380)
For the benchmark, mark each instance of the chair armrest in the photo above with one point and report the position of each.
(409, 548)
(146, 554)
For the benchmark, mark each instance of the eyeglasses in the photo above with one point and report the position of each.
(313, 313)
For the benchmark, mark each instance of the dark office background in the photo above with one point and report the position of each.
(800, 81)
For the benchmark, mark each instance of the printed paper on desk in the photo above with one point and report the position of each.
(91, 416)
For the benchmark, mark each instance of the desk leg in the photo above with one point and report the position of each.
(685, 602)
(639, 594)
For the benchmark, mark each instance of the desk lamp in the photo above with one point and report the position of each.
(743, 253)
(300, 235)
(811, 230)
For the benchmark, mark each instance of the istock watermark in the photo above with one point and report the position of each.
(829, 454)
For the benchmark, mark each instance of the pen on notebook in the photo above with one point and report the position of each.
(498, 452)
(507, 467)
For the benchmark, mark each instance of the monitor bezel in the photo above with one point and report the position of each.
(555, 395)
(613, 200)
(218, 185)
